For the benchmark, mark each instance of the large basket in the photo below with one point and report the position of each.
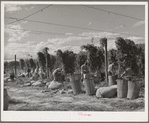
(133, 90)
(75, 83)
(122, 88)
(96, 80)
(112, 80)
(6, 100)
(89, 84)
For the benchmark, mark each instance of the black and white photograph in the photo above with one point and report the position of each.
(74, 61)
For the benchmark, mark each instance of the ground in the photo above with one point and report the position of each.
(36, 99)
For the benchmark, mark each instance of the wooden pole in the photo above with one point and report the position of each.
(106, 63)
(15, 66)
(47, 64)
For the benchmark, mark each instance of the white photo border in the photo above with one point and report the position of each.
(73, 116)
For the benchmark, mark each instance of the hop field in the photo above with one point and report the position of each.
(31, 98)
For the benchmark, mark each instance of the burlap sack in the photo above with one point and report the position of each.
(55, 85)
(39, 84)
(106, 92)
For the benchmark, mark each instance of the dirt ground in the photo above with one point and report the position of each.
(35, 99)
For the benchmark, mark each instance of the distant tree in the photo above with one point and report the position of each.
(103, 42)
(27, 61)
(94, 56)
(132, 55)
(59, 60)
(11, 65)
(127, 54)
(27, 64)
(22, 63)
(41, 59)
(5, 65)
(121, 52)
(45, 51)
(32, 64)
(36, 62)
(112, 58)
(112, 55)
(100, 58)
(91, 55)
(120, 44)
(141, 57)
(67, 59)
(51, 62)
(81, 57)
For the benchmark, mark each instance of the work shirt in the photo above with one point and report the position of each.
(84, 69)
(40, 71)
(29, 70)
(128, 72)
(110, 68)
(56, 72)
(36, 70)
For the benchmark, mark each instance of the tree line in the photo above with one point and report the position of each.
(127, 52)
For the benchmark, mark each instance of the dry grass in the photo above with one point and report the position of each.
(33, 99)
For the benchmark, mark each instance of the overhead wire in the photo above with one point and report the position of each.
(44, 32)
(30, 14)
(35, 31)
(114, 13)
(70, 26)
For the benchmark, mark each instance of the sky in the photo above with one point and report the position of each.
(67, 27)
